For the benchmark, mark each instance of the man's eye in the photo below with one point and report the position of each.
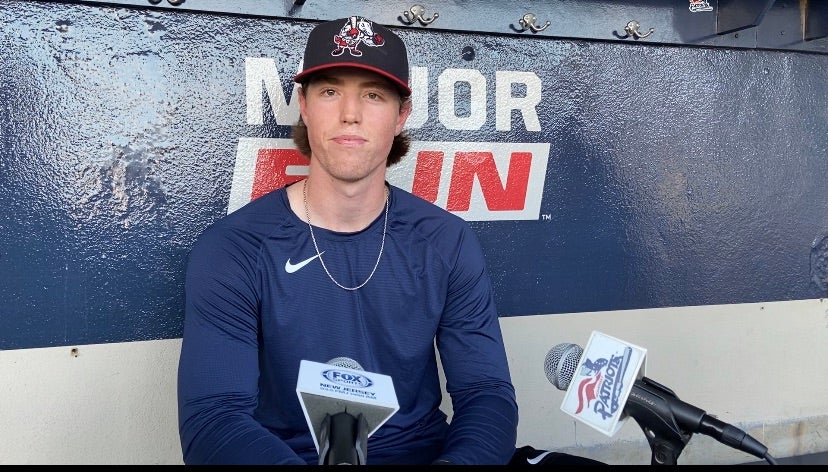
(373, 95)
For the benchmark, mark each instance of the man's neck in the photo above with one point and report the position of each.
(338, 206)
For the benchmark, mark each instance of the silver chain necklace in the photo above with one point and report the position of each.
(316, 246)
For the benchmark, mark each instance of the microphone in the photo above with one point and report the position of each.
(667, 422)
(345, 362)
(343, 405)
(343, 438)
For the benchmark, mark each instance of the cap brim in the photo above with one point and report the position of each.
(405, 91)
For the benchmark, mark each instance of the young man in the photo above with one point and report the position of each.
(342, 264)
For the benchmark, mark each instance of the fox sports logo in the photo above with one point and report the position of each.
(348, 379)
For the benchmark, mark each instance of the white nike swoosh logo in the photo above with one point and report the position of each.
(536, 460)
(291, 268)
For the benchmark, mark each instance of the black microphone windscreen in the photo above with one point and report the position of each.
(560, 364)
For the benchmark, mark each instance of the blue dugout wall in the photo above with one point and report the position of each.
(671, 174)
(666, 185)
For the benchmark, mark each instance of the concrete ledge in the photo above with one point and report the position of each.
(798, 442)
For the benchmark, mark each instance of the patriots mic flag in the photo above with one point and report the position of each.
(598, 383)
(605, 385)
(344, 405)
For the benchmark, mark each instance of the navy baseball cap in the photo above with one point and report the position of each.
(356, 42)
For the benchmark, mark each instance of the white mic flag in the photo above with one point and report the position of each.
(327, 389)
(602, 381)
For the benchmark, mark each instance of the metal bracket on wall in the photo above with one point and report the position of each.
(528, 23)
(633, 28)
(417, 13)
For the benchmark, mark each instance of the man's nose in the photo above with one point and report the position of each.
(351, 109)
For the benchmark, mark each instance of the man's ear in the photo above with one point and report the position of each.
(405, 111)
(300, 94)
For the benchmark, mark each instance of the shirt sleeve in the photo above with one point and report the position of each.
(483, 428)
(218, 369)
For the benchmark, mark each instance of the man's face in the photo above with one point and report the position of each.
(352, 117)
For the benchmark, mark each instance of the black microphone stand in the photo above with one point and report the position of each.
(343, 440)
(647, 405)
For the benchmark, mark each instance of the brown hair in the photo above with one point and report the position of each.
(399, 148)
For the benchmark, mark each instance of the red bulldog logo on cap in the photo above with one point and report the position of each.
(356, 31)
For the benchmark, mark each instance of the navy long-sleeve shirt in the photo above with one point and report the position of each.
(258, 301)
